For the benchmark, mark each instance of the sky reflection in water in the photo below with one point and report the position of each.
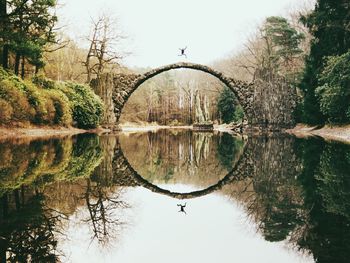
(215, 229)
(79, 200)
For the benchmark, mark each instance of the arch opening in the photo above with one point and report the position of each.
(241, 90)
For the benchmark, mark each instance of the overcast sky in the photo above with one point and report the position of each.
(156, 29)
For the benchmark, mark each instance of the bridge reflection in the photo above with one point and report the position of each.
(295, 190)
(242, 169)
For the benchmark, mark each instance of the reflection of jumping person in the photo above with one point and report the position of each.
(182, 208)
(182, 52)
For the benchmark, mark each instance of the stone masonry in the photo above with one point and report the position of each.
(265, 104)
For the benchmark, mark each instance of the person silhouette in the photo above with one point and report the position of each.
(182, 208)
(182, 52)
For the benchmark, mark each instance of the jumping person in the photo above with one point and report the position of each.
(182, 52)
(182, 208)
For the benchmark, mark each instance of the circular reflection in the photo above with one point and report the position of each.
(204, 161)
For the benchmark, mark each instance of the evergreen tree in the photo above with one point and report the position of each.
(27, 28)
(228, 106)
(277, 50)
(282, 45)
(329, 24)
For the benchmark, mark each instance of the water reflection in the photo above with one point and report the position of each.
(63, 197)
(205, 171)
(199, 159)
(40, 162)
(37, 200)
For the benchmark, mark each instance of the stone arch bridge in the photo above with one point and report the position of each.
(264, 103)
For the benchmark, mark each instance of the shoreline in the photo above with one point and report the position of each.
(42, 132)
(332, 133)
(147, 128)
(329, 133)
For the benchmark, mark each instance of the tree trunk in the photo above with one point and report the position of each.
(23, 67)
(206, 109)
(5, 206)
(22, 195)
(3, 24)
(5, 57)
(17, 199)
(199, 112)
(17, 61)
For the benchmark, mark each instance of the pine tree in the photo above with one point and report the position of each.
(27, 26)
(284, 41)
(227, 105)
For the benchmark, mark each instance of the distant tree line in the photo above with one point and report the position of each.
(182, 98)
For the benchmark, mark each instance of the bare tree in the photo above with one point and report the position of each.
(102, 212)
(103, 44)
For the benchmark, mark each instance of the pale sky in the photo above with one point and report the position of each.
(156, 29)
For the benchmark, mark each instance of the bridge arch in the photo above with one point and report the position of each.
(126, 85)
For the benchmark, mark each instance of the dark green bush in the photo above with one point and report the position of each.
(86, 106)
(334, 92)
(63, 112)
(228, 107)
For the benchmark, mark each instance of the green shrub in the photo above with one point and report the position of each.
(86, 106)
(22, 110)
(42, 82)
(3, 74)
(19, 92)
(334, 102)
(44, 101)
(6, 111)
(63, 113)
(334, 93)
(45, 110)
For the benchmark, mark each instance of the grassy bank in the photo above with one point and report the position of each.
(37, 102)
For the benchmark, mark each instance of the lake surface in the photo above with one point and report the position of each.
(172, 196)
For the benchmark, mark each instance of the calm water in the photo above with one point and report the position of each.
(116, 199)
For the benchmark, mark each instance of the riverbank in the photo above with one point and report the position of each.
(43, 132)
(333, 133)
(147, 128)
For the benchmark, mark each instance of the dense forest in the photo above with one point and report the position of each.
(309, 49)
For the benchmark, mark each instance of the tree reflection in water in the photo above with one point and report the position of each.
(33, 204)
(300, 192)
(103, 206)
(181, 157)
(28, 228)
(295, 189)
